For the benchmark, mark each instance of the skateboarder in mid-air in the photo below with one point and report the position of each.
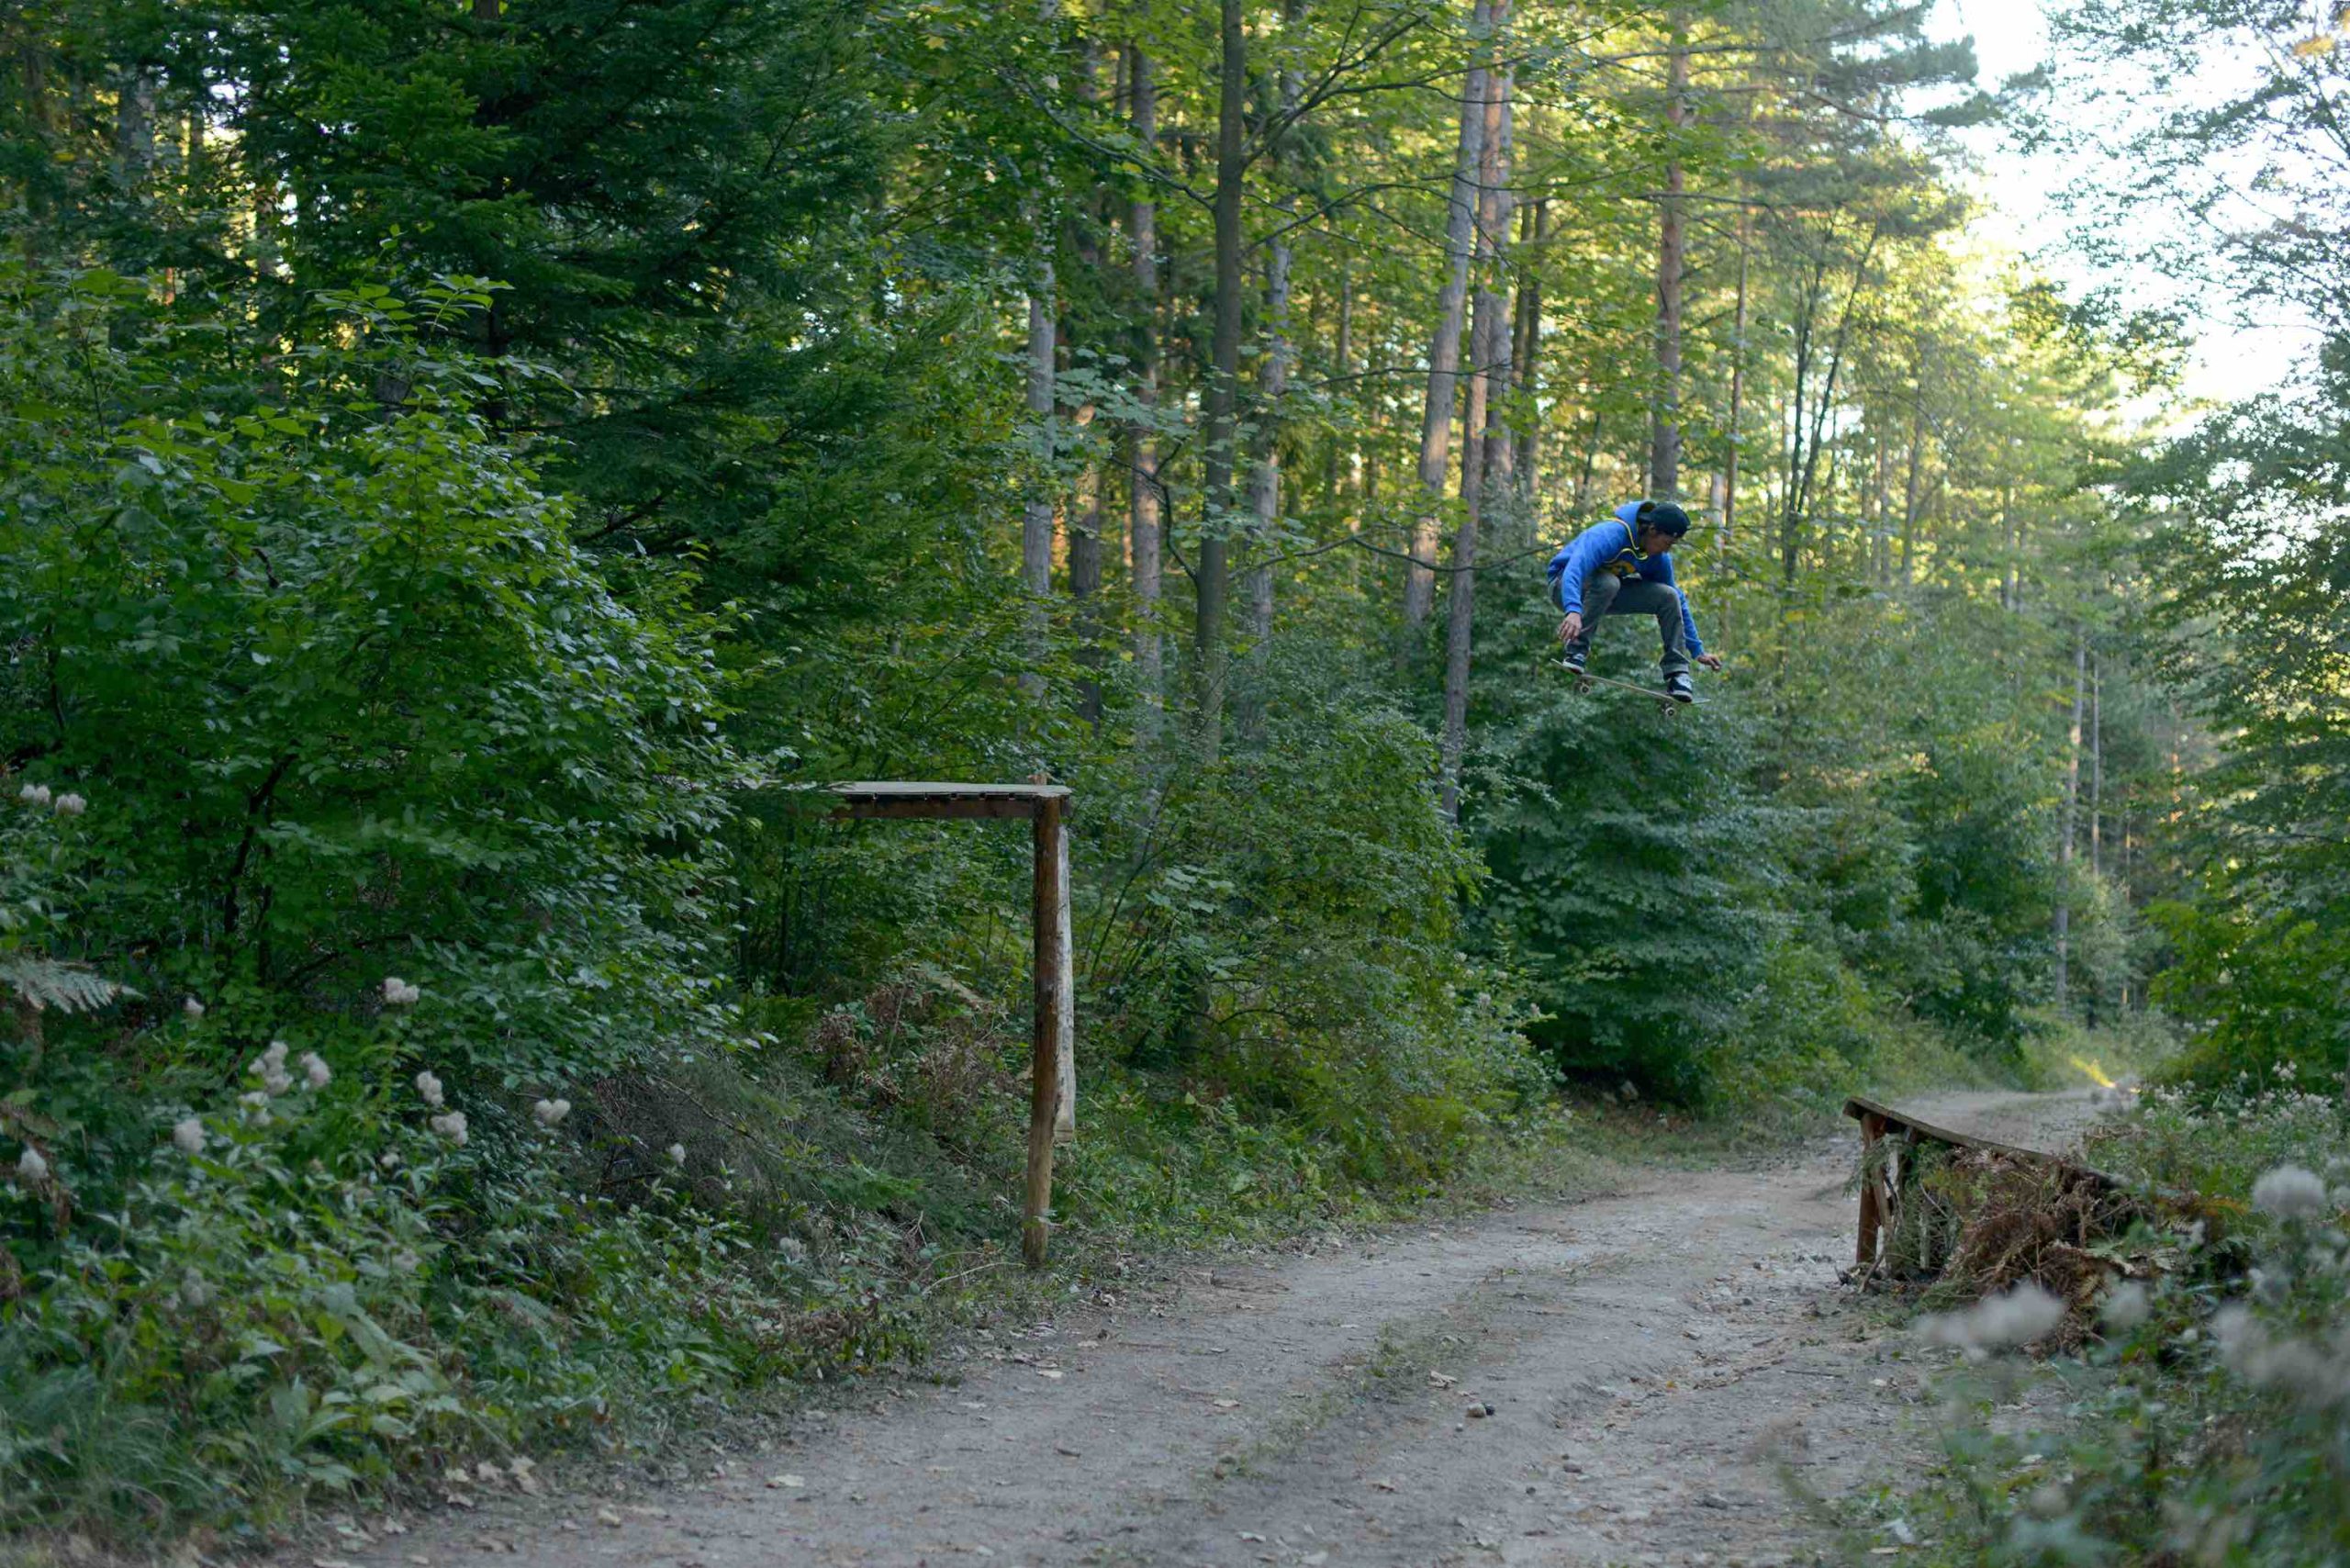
(1624, 567)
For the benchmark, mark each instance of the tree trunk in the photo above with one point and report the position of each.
(1341, 469)
(1444, 348)
(1526, 353)
(2096, 766)
(1143, 510)
(1664, 440)
(1211, 579)
(1085, 587)
(1037, 515)
(2065, 841)
(1485, 321)
(1497, 469)
(1265, 479)
(1736, 395)
(134, 124)
(1584, 475)
(1825, 404)
(1917, 466)
(2010, 536)
(1486, 448)
(1790, 522)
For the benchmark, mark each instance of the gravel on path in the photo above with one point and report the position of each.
(1654, 1378)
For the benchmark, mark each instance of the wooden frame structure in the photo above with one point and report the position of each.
(1052, 1078)
(1887, 1179)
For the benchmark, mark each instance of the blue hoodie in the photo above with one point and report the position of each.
(1609, 547)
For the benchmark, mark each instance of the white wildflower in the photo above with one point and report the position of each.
(193, 1008)
(430, 1087)
(188, 1136)
(398, 992)
(2126, 1306)
(389, 1159)
(2252, 1353)
(195, 1290)
(2290, 1193)
(70, 805)
(315, 1070)
(270, 1068)
(33, 794)
(551, 1113)
(2017, 1317)
(30, 1166)
(452, 1125)
(677, 1155)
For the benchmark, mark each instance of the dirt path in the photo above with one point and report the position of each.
(1653, 1364)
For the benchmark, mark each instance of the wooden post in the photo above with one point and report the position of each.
(1872, 1183)
(1052, 1105)
(1065, 993)
(1051, 935)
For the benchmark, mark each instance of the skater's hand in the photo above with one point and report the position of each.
(1711, 661)
(1572, 627)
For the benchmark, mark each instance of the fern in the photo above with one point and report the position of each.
(50, 982)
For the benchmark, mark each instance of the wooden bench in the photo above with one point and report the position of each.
(1891, 1140)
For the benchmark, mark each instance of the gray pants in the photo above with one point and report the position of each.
(1605, 593)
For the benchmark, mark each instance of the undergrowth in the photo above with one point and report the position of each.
(2207, 1422)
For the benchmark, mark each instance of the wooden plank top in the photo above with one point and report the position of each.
(892, 790)
(1860, 1105)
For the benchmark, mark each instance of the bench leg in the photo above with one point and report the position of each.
(1872, 1192)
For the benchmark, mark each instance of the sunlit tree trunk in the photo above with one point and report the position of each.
(2097, 765)
(1036, 513)
(1664, 438)
(1916, 469)
(2064, 921)
(1737, 393)
(1444, 348)
(1486, 453)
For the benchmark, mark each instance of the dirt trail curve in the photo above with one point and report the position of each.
(1648, 1360)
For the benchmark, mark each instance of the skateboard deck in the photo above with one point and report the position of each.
(1584, 681)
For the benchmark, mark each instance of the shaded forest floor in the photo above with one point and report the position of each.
(1663, 1375)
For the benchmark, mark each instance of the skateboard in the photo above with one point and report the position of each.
(1584, 681)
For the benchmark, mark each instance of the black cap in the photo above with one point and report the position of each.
(1664, 517)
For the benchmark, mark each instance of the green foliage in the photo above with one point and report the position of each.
(435, 662)
(1631, 878)
(397, 721)
(333, 634)
(2254, 617)
(2211, 1424)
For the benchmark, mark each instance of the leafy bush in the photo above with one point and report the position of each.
(314, 709)
(2213, 1423)
(1631, 878)
(356, 703)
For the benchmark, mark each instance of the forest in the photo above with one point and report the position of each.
(472, 465)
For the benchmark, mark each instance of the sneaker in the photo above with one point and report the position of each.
(1574, 661)
(1677, 687)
